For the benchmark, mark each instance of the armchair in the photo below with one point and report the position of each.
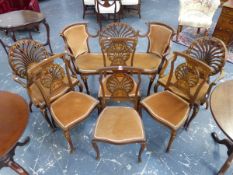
(196, 13)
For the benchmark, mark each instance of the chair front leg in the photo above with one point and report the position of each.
(95, 146)
(68, 139)
(45, 114)
(195, 111)
(152, 78)
(172, 137)
(84, 79)
(143, 145)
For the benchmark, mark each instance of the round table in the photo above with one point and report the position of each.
(23, 20)
(221, 105)
(14, 114)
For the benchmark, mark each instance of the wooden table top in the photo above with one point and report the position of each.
(13, 120)
(20, 18)
(221, 105)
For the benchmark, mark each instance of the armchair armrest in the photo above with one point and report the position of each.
(167, 61)
(18, 80)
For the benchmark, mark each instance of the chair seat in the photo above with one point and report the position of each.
(108, 10)
(149, 62)
(89, 62)
(119, 125)
(108, 94)
(130, 2)
(38, 99)
(195, 19)
(167, 108)
(89, 2)
(162, 81)
(71, 108)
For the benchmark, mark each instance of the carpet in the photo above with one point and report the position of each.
(189, 34)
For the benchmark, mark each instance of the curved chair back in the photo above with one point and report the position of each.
(23, 54)
(107, 7)
(209, 50)
(52, 78)
(119, 82)
(75, 37)
(190, 76)
(159, 36)
(118, 51)
(118, 30)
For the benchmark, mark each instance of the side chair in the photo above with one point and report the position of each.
(188, 80)
(154, 60)
(85, 63)
(67, 107)
(106, 8)
(211, 51)
(119, 124)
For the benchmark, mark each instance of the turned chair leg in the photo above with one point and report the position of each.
(30, 105)
(68, 138)
(152, 78)
(188, 121)
(172, 137)
(45, 114)
(95, 146)
(179, 29)
(143, 145)
(84, 79)
(198, 30)
(156, 87)
(226, 165)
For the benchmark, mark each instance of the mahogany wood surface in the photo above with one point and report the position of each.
(221, 103)
(20, 18)
(13, 120)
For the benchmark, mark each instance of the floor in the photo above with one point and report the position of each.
(193, 152)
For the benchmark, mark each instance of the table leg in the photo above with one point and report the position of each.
(226, 165)
(48, 35)
(229, 146)
(8, 160)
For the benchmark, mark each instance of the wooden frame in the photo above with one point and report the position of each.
(135, 99)
(84, 76)
(163, 55)
(106, 4)
(136, 8)
(88, 8)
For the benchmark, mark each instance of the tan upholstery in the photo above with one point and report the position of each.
(72, 108)
(108, 94)
(37, 97)
(200, 97)
(76, 37)
(89, 62)
(149, 62)
(159, 38)
(119, 125)
(168, 108)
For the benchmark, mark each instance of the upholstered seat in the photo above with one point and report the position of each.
(201, 95)
(89, 62)
(129, 2)
(89, 2)
(37, 97)
(196, 19)
(149, 62)
(161, 107)
(72, 108)
(108, 10)
(119, 125)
